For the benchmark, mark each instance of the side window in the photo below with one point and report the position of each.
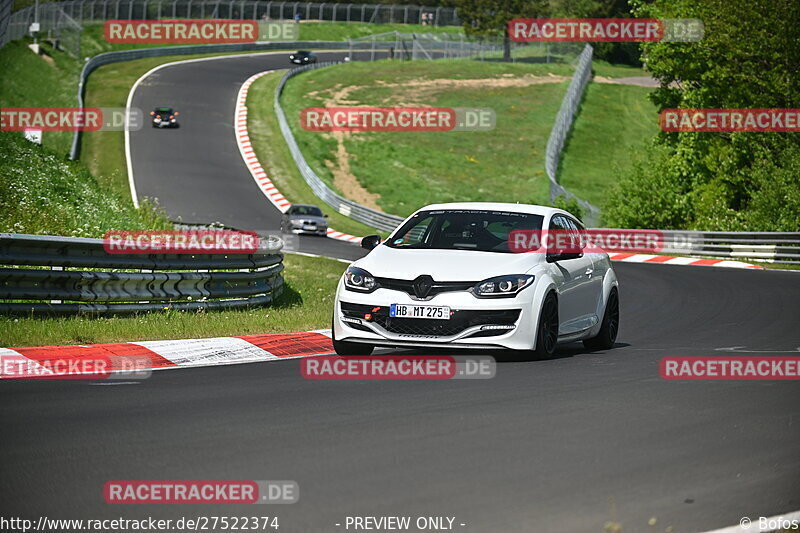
(576, 231)
(557, 223)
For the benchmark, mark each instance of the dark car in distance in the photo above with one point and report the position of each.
(303, 57)
(164, 117)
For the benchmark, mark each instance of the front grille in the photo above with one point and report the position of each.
(459, 320)
(438, 287)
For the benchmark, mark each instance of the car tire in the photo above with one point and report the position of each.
(349, 348)
(547, 329)
(607, 336)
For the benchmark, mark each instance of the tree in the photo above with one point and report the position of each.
(489, 18)
(747, 59)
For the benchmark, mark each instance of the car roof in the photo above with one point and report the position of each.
(163, 109)
(542, 210)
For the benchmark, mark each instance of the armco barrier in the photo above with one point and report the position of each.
(561, 127)
(772, 247)
(75, 275)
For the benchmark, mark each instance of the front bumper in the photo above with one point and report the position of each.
(503, 323)
(309, 231)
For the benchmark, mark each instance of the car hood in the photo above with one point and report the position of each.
(445, 265)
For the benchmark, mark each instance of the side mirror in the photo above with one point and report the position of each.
(562, 256)
(370, 241)
(326, 216)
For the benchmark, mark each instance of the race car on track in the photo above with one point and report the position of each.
(303, 57)
(302, 218)
(164, 117)
(453, 275)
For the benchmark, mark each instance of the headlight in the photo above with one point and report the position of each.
(502, 286)
(359, 280)
(297, 223)
(172, 120)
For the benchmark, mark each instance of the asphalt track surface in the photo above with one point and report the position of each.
(564, 445)
(196, 171)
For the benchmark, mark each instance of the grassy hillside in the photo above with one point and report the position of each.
(29, 80)
(41, 192)
(614, 122)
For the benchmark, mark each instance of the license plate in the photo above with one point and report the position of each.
(438, 312)
(310, 228)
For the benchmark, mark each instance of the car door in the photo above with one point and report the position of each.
(588, 283)
(574, 276)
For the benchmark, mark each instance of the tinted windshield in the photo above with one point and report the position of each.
(307, 210)
(485, 231)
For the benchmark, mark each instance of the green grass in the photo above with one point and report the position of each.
(412, 169)
(307, 304)
(42, 193)
(614, 121)
(28, 80)
(609, 70)
(274, 156)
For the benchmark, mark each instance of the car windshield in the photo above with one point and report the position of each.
(307, 210)
(477, 230)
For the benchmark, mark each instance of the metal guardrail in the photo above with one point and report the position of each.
(773, 247)
(561, 127)
(354, 210)
(15, 25)
(104, 283)
(6, 6)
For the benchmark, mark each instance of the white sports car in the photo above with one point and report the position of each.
(454, 275)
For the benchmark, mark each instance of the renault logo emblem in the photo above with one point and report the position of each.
(422, 286)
